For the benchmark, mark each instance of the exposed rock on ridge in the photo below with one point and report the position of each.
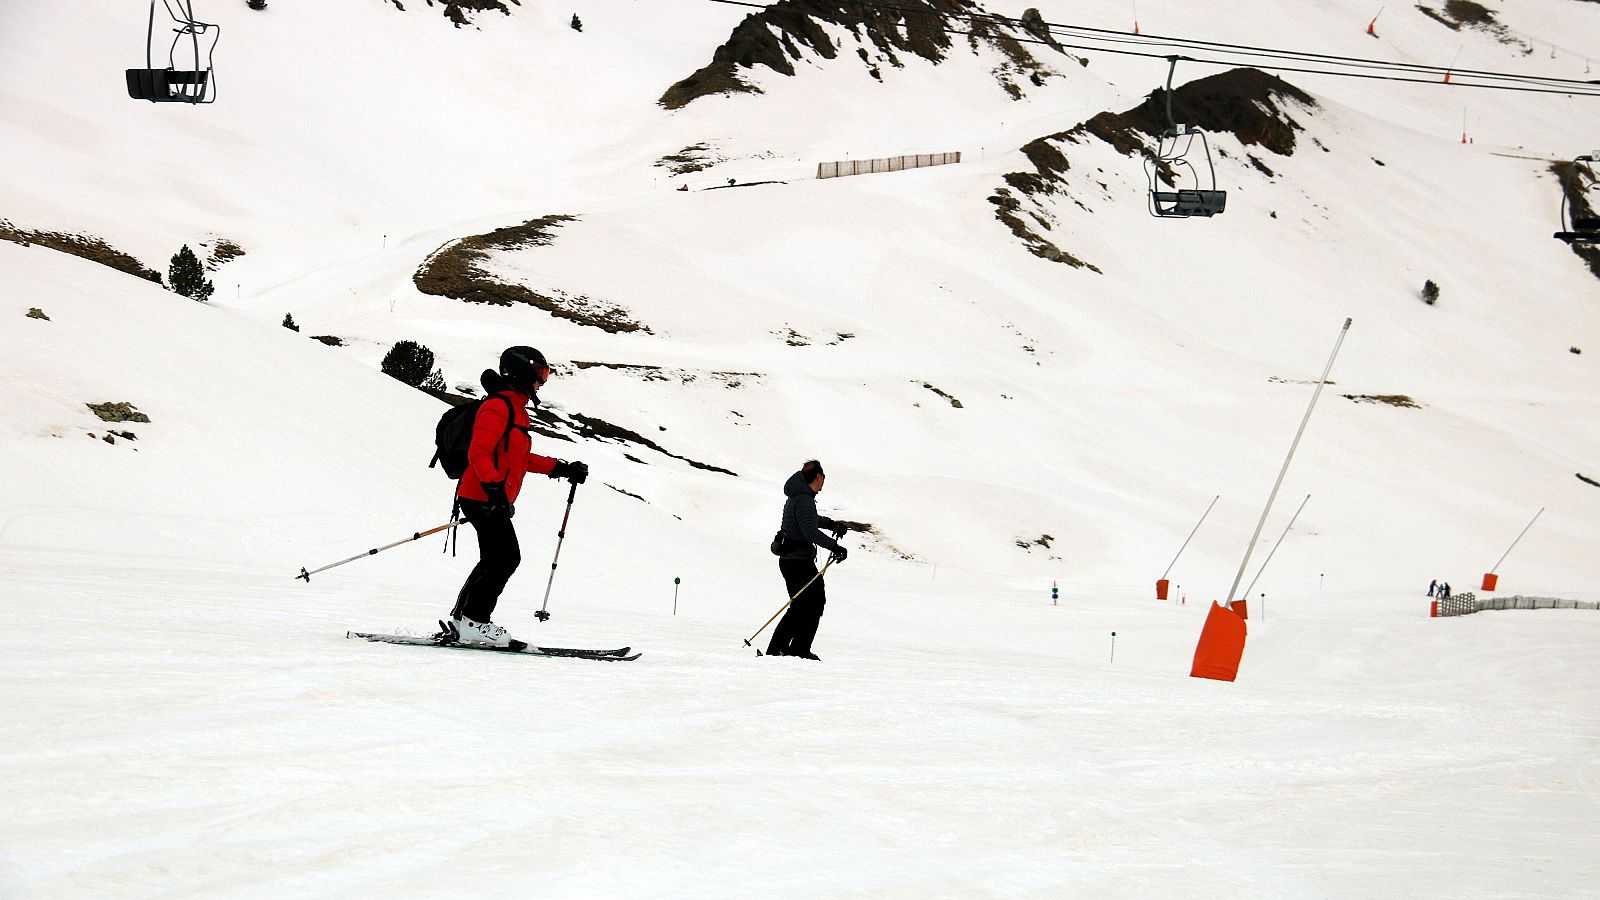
(787, 30)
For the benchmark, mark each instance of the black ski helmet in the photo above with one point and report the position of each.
(524, 367)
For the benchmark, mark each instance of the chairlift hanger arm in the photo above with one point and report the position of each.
(1172, 67)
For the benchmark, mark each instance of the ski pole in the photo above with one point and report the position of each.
(785, 606)
(543, 615)
(306, 576)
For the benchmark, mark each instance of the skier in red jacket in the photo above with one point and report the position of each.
(499, 457)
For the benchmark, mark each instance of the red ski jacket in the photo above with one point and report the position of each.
(490, 460)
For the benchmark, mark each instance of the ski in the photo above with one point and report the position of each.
(620, 654)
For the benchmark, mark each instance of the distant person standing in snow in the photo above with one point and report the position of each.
(803, 533)
(498, 459)
(1433, 586)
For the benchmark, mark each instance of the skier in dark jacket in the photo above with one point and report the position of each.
(499, 458)
(803, 532)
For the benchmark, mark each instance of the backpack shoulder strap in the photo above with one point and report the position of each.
(511, 422)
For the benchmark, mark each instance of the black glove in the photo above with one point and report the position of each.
(575, 472)
(497, 503)
(841, 554)
(839, 530)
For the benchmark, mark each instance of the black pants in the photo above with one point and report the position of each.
(498, 558)
(798, 627)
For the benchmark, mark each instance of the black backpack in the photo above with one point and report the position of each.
(453, 435)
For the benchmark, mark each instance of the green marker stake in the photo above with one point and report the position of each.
(675, 583)
(1113, 646)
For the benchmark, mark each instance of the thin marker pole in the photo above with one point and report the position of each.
(1285, 470)
(1519, 537)
(1275, 549)
(1191, 535)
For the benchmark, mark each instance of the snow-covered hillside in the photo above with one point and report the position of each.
(191, 719)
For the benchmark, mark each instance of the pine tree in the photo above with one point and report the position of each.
(288, 322)
(577, 24)
(408, 361)
(187, 277)
(1430, 292)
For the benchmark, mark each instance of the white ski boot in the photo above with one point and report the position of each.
(481, 634)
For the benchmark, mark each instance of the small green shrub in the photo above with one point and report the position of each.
(410, 362)
(1430, 292)
(288, 322)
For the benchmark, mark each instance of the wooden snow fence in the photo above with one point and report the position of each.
(1466, 604)
(886, 164)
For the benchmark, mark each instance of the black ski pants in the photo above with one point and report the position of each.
(798, 627)
(498, 558)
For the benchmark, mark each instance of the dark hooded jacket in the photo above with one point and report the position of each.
(801, 524)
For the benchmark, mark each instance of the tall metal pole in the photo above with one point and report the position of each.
(1285, 470)
(1191, 535)
(1275, 548)
(1519, 538)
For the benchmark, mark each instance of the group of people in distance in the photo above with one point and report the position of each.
(500, 457)
(1440, 589)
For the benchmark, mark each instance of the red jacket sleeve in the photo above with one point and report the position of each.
(540, 465)
(488, 428)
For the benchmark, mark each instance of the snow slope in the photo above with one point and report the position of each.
(198, 724)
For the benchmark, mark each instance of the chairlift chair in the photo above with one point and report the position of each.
(1578, 229)
(1171, 158)
(192, 83)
